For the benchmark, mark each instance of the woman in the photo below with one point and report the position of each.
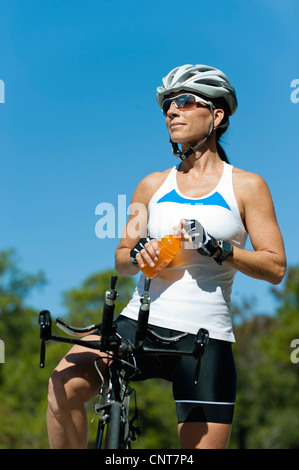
(212, 206)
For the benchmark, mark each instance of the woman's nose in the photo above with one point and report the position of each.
(173, 108)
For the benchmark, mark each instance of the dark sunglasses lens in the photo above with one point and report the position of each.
(182, 102)
(187, 101)
(166, 105)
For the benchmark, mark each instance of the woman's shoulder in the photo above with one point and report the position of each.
(247, 178)
(150, 184)
(248, 184)
(156, 177)
(153, 181)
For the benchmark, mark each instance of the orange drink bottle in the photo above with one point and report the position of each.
(169, 247)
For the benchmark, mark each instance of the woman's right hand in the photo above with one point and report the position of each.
(145, 252)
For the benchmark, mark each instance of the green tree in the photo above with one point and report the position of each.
(267, 402)
(22, 387)
(84, 304)
(23, 384)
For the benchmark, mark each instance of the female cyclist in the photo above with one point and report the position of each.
(212, 206)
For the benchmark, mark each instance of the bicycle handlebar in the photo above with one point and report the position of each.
(109, 340)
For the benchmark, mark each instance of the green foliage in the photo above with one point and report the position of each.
(157, 415)
(85, 303)
(22, 387)
(23, 384)
(267, 402)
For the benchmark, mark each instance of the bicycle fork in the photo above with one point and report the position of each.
(114, 410)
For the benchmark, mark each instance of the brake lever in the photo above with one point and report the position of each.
(45, 322)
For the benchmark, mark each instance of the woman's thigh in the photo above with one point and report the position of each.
(209, 404)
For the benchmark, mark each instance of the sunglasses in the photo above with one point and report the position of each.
(184, 102)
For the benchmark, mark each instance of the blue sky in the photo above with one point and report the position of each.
(80, 124)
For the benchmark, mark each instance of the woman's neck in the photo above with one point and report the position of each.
(204, 160)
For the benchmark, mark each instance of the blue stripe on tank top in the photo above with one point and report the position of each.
(214, 200)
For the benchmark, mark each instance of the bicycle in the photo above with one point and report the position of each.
(116, 430)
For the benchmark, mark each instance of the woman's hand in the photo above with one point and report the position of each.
(179, 231)
(192, 231)
(146, 251)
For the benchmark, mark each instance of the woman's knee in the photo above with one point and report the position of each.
(75, 380)
(62, 388)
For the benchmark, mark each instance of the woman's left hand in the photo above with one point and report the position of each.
(179, 231)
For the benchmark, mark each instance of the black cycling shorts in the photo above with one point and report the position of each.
(212, 399)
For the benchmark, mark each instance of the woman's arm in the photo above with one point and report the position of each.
(136, 228)
(268, 260)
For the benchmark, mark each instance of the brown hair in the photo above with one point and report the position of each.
(221, 103)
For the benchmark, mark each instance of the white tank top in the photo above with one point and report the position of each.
(193, 291)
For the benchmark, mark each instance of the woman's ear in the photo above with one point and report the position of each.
(218, 116)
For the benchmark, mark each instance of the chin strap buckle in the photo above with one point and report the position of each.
(178, 153)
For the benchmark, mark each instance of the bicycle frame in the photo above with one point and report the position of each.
(116, 399)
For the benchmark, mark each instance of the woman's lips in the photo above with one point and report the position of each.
(176, 124)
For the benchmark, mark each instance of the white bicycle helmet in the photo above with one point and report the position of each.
(201, 79)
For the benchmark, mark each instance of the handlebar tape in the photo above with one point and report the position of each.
(106, 326)
(141, 325)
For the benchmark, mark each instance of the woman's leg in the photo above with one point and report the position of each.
(74, 382)
(205, 410)
(204, 435)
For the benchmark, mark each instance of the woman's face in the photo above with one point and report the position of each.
(187, 127)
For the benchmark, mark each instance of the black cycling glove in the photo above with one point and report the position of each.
(137, 248)
(202, 241)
